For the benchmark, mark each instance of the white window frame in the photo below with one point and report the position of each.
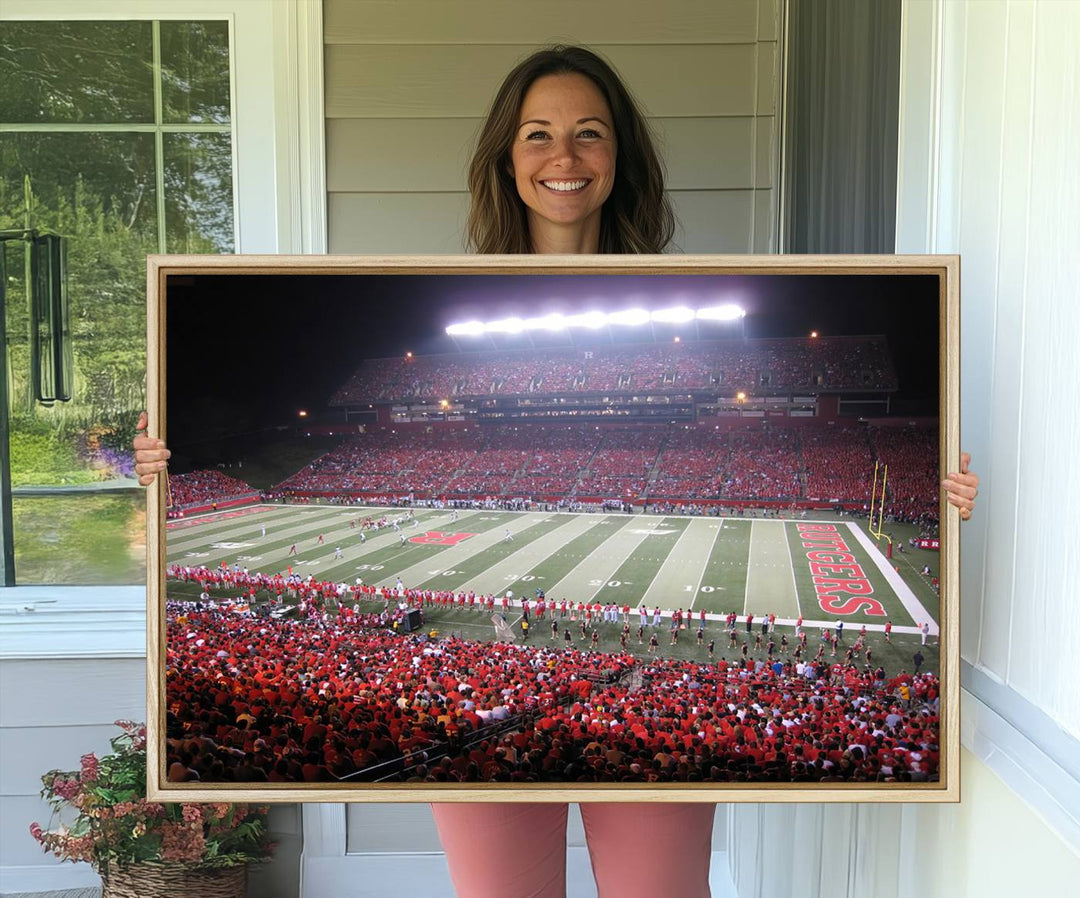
(276, 87)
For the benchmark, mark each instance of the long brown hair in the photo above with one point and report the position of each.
(637, 216)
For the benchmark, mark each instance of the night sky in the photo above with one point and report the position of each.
(246, 352)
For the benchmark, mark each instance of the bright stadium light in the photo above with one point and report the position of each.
(591, 320)
(677, 315)
(630, 316)
(505, 326)
(727, 312)
(552, 322)
(595, 320)
(467, 329)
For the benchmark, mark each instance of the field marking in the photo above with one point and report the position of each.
(705, 566)
(585, 592)
(907, 598)
(518, 560)
(348, 538)
(746, 567)
(760, 568)
(656, 583)
(791, 566)
(451, 556)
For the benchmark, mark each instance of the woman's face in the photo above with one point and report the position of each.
(563, 155)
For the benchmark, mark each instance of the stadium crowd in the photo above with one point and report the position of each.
(206, 487)
(812, 365)
(770, 462)
(320, 698)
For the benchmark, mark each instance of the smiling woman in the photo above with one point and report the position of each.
(563, 162)
(560, 118)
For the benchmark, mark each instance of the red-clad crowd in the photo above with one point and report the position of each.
(805, 364)
(320, 698)
(770, 462)
(206, 487)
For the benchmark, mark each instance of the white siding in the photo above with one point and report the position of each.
(408, 82)
(1008, 200)
(989, 131)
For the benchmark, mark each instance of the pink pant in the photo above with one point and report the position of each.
(519, 850)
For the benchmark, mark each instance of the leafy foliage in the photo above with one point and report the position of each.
(115, 824)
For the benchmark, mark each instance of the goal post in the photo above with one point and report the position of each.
(877, 501)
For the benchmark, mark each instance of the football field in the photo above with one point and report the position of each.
(822, 570)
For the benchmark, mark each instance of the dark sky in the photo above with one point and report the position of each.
(248, 351)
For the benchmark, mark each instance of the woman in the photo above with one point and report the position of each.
(565, 164)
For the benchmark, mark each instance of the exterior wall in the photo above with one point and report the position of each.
(989, 126)
(408, 83)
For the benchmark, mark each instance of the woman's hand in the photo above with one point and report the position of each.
(961, 488)
(150, 454)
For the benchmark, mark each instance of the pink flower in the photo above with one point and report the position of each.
(89, 767)
(191, 813)
(181, 842)
(65, 788)
(37, 832)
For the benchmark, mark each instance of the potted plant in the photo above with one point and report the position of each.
(142, 847)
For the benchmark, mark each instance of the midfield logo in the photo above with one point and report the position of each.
(439, 538)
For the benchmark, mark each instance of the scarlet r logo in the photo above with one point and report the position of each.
(438, 538)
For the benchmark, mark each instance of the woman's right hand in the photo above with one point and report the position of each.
(150, 453)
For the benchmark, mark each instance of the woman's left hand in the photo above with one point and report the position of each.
(962, 487)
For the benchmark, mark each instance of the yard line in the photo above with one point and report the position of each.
(771, 596)
(791, 567)
(450, 557)
(749, 555)
(705, 566)
(494, 578)
(623, 541)
(661, 582)
(907, 598)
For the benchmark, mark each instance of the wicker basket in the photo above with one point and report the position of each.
(150, 880)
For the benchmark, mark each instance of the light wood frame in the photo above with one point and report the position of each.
(946, 268)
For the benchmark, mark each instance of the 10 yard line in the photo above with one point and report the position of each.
(705, 567)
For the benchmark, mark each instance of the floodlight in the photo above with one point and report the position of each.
(727, 312)
(466, 329)
(676, 315)
(591, 320)
(552, 322)
(505, 326)
(629, 316)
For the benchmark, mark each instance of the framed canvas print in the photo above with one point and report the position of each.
(554, 528)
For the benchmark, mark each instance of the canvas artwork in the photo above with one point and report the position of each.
(466, 528)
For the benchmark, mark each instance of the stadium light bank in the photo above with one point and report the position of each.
(596, 320)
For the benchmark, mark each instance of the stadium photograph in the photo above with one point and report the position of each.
(538, 529)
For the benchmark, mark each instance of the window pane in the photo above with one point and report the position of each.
(81, 539)
(76, 72)
(97, 190)
(198, 193)
(195, 71)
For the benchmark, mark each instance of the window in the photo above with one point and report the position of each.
(116, 135)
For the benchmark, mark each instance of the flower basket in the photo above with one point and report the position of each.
(142, 848)
(170, 880)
